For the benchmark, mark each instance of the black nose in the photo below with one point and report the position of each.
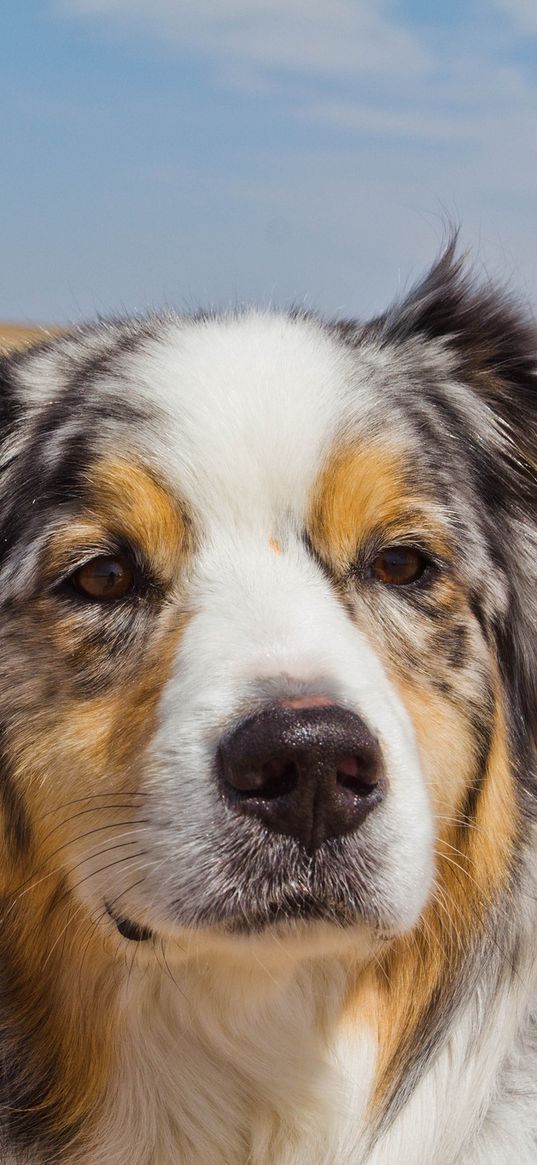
(313, 772)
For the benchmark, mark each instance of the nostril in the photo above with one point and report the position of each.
(274, 778)
(359, 773)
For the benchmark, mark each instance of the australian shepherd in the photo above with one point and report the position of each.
(268, 684)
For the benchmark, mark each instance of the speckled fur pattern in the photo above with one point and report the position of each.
(178, 985)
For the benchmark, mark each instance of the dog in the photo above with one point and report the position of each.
(268, 736)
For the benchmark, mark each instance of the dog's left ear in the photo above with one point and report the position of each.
(489, 344)
(490, 340)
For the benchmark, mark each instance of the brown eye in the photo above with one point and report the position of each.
(398, 565)
(104, 578)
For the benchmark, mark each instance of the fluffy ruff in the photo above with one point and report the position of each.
(181, 983)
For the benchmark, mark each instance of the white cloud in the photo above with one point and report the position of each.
(522, 12)
(322, 37)
(413, 123)
(471, 103)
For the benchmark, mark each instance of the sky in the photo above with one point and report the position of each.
(210, 153)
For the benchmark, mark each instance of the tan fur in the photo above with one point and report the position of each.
(134, 503)
(55, 947)
(393, 995)
(361, 491)
(473, 866)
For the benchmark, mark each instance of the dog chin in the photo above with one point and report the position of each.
(282, 890)
(278, 915)
(288, 914)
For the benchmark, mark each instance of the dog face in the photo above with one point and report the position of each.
(262, 644)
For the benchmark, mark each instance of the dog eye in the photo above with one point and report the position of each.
(398, 565)
(106, 577)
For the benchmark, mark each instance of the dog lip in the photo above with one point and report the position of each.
(290, 910)
(129, 930)
(277, 915)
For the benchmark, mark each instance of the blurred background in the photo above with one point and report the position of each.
(211, 152)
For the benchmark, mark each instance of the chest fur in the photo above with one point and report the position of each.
(268, 1073)
(267, 1079)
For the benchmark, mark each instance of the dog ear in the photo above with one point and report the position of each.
(7, 398)
(490, 338)
(489, 344)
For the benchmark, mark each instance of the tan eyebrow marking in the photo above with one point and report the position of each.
(126, 499)
(127, 495)
(362, 488)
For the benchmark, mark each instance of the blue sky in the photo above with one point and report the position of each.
(211, 152)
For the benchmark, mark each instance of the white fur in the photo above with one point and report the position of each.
(226, 1066)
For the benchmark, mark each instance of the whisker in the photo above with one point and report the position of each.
(167, 968)
(110, 849)
(97, 829)
(94, 923)
(112, 902)
(92, 927)
(62, 932)
(24, 889)
(92, 796)
(460, 821)
(441, 841)
(79, 908)
(451, 929)
(484, 898)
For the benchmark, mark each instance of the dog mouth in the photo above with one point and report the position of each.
(289, 915)
(278, 912)
(288, 890)
(133, 931)
(275, 913)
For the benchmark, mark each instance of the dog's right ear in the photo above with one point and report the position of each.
(8, 401)
(490, 341)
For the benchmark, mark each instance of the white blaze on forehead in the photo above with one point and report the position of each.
(249, 406)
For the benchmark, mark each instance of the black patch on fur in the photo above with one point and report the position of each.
(108, 361)
(482, 733)
(8, 404)
(28, 1122)
(492, 344)
(18, 830)
(457, 649)
(451, 643)
(522, 709)
(71, 421)
(492, 337)
(475, 602)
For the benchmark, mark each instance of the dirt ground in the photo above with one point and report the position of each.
(17, 336)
